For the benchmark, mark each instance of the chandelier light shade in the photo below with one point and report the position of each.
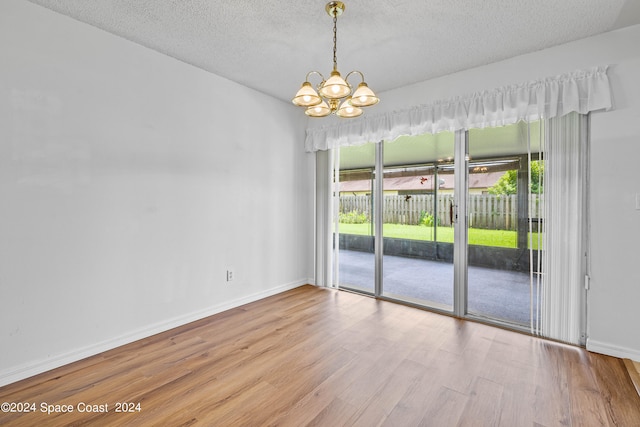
(307, 96)
(363, 96)
(347, 110)
(334, 95)
(335, 88)
(320, 110)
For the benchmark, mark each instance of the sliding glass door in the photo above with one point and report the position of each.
(456, 222)
(504, 217)
(353, 225)
(453, 216)
(418, 239)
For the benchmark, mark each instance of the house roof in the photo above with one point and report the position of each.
(417, 183)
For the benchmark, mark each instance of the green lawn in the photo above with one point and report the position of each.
(500, 238)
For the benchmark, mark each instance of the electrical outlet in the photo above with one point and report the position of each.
(638, 201)
(229, 275)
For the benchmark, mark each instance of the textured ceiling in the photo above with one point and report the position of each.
(271, 45)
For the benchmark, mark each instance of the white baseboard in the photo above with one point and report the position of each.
(21, 372)
(613, 350)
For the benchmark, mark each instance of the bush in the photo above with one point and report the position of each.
(353, 217)
(426, 219)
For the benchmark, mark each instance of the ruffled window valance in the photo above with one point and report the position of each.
(581, 91)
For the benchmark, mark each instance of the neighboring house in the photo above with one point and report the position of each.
(479, 183)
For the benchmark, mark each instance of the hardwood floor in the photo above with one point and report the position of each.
(325, 358)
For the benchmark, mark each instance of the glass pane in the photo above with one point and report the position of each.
(499, 202)
(354, 183)
(418, 192)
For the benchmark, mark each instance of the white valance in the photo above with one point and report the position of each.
(581, 91)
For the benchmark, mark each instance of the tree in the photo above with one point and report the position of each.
(508, 183)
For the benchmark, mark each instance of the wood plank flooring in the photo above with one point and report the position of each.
(316, 357)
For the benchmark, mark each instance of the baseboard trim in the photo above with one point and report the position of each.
(18, 373)
(634, 373)
(612, 350)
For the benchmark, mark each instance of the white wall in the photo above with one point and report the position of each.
(614, 299)
(129, 183)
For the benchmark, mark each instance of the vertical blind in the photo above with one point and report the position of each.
(565, 219)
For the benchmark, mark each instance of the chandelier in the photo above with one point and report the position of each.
(335, 94)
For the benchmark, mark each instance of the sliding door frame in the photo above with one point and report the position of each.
(460, 223)
(460, 228)
(460, 219)
(378, 209)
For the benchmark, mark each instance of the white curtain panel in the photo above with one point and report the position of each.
(565, 216)
(579, 91)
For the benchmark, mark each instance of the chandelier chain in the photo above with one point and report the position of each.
(335, 40)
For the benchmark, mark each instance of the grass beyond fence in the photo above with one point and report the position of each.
(477, 236)
(485, 211)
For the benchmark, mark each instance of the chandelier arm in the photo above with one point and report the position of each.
(354, 72)
(314, 72)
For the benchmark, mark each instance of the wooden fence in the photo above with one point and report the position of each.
(485, 210)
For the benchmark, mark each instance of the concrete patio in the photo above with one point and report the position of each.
(499, 294)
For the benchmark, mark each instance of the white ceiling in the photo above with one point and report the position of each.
(270, 45)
